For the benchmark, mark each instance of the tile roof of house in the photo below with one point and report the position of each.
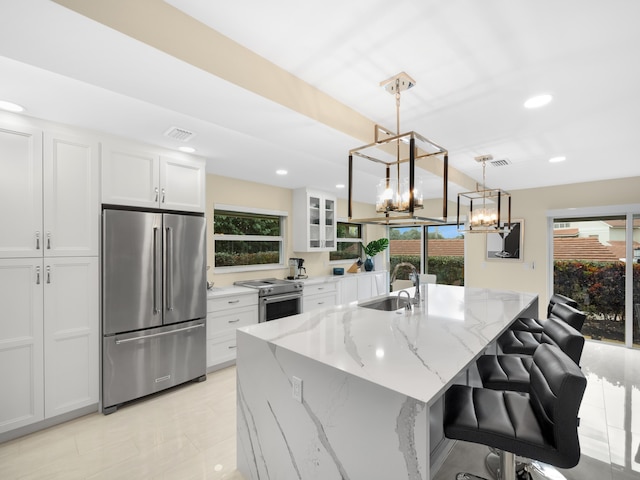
(622, 223)
(583, 248)
(566, 232)
(564, 248)
(453, 247)
(618, 247)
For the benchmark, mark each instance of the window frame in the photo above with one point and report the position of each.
(282, 238)
(347, 240)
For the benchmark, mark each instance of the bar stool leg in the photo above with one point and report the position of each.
(508, 466)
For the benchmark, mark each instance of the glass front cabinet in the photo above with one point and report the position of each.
(314, 221)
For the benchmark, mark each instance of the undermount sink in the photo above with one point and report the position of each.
(388, 304)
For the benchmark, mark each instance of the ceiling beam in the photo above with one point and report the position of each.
(165, 28)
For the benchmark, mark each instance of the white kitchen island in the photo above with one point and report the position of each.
(372, 385)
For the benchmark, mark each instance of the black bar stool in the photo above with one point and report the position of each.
(541, 426)
(536, 325)
(511, 372)
(555, 332)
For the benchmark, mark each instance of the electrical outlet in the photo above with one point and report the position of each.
(297, 389)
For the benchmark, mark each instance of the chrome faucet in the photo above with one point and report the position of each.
(408, 305)
(416, 280)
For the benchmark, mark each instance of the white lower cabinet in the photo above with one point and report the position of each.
(319, 295)
(70, 334)
(224, 315)
(363, 286)
(21, 343)
(48, 338)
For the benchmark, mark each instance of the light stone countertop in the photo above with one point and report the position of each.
(418, 354)
(335, 278)
(230, 290)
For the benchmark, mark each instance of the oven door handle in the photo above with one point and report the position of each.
(281, 298)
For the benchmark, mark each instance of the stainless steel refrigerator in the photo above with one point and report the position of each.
(153, 303)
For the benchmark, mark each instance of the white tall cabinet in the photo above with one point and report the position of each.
(49, 212)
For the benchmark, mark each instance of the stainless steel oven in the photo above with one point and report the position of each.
(276, 298)
(272, 307)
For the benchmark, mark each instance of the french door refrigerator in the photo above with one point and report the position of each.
(153, 303)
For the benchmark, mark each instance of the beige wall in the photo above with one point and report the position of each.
(230, 191)
(532, 206)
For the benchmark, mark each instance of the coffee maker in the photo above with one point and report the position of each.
(296, 269)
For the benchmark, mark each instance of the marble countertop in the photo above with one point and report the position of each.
(419, 353)
(335, 278)
(230, 290)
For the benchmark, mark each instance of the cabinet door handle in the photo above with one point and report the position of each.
(231, 347)
(233, 321)
(48, 240)
(233, 301)
(37, 275)
(320, 288)
(48, 274)
(37, 240)
(163, 195)
(156, 195)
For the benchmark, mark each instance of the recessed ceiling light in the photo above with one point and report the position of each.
(187, 149)
(10, 106)
(538, 101)
(340, 185)
(281, 172)
(557, 159)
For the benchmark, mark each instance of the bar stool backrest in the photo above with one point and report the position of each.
(569, 315)
(557, 298)
(557, 388)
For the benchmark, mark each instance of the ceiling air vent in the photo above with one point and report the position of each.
(494, 163)
(179, 134)
(500, 163)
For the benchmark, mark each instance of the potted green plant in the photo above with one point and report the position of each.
(373, 248)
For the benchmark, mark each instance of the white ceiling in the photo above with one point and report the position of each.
(474, 63)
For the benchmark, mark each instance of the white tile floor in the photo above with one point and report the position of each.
(189, 433)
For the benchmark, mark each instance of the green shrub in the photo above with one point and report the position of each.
(449, 270)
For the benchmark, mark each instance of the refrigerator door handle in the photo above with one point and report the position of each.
(161, 334)
(168, 268)
(156, 308)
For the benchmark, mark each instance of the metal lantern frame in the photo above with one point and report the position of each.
(484, 194)
(478, 198)
(385, 143)
(414, 154)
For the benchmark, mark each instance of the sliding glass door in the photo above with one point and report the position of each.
(591, 264)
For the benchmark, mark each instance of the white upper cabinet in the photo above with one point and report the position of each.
(314, 221)
(48, 200)
(140, 178)
(71, 200)
(130, 177)
(21, 232)
(183, 184)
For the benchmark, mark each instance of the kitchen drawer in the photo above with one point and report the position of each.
(233, 301)
(221, 348)
(317, 288)
(315, 302)
(229, 320)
